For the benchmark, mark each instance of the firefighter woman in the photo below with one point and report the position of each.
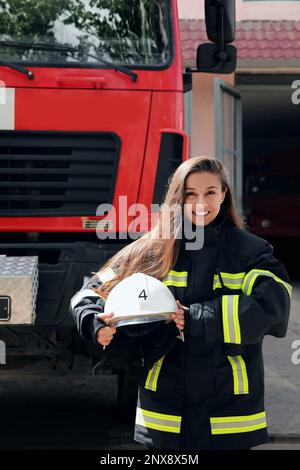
(204, 389)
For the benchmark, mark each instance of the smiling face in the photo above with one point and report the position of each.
(203, 197)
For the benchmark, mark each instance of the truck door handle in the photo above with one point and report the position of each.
(81, 82)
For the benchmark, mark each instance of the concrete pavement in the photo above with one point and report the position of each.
(282, 379)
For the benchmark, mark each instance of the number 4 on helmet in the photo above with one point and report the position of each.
(139, 298)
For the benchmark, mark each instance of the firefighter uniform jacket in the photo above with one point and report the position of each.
(206, 392)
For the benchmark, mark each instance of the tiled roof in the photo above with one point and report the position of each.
(276, 40)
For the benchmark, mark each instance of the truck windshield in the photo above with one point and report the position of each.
(133, 33)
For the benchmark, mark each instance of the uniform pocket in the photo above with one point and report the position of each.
(240, 375)
(158, 378)
(153, 375)
(233, 379)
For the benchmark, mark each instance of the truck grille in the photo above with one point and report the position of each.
(57, 173)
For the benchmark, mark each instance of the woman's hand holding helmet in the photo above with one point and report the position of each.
(178, 317)
(106, 333)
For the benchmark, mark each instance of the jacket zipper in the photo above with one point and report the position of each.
(186, 351)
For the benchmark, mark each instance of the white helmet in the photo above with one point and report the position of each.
(139, 298)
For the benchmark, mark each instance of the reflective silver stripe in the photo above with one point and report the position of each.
(107, 275)
(240, 377)
(176, 278)
(230, 317)
(152, 377)
(238, 424)
(77, 298)
(158, 421)
(230, 280)
(252, 275)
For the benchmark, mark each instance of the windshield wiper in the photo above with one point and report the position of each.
(17, 67)
(67, 48)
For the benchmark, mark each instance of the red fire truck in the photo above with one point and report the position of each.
(91, 110)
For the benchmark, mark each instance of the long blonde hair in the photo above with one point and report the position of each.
(154, 255)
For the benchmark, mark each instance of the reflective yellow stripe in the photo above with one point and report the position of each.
(245, 377)
(178, 273)
(152, 377)
(230, 317)
(236, 321)
(170, 282)
(176, 278)
(225, 319)
(238, 424)
(158, 421)
(230, 280)
(240, 376)
(252, 275)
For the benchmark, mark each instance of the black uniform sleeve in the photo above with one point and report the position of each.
(85, 305)
(154, 338)
(262, 308)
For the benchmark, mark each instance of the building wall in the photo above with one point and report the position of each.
(203, 113)
(202, 121)
(245, 10)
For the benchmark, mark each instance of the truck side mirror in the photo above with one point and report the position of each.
(220, 15)
(211, 59)
(218, 57)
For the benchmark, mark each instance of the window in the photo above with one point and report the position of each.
(135, 32)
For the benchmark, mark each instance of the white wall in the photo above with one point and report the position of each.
(245, 10)
(191, 9)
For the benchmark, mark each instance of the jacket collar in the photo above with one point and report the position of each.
(212, 231)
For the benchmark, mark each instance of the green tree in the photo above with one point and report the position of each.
(33, 19)
(121, 30)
